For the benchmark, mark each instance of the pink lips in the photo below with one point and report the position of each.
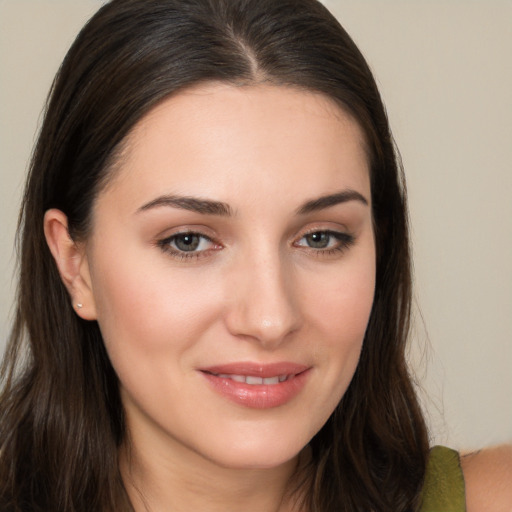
(256, 385)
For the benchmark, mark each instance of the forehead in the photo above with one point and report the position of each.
(219, 139)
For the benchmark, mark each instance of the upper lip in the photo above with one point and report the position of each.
(256, 369)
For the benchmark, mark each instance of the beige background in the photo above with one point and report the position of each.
(445, 72)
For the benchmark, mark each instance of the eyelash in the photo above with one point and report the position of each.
(165, 245)
(344, 240)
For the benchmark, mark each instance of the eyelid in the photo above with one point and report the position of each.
(335, 229)
(344, 237)
(181, 229)
(164, 243)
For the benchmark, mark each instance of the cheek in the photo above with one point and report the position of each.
(343, 303)
(147, 313)
(340, 310)
(344, 322)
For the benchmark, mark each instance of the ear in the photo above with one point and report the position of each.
(72, 263)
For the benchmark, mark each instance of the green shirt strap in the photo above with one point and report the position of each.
(443, 489)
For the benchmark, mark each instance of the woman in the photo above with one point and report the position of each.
(215, 281)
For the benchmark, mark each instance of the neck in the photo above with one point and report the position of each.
(156, 482)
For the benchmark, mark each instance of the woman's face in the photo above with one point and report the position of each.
(232, 271)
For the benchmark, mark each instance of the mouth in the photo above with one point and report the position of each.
(253, 380)
(258, 386)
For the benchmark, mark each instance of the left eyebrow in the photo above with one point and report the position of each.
(320, 203)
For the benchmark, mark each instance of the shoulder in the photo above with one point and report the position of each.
(488, 479)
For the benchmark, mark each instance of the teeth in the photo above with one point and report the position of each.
(253, 380)
(249, 379)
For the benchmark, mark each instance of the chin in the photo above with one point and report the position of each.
(254, 453)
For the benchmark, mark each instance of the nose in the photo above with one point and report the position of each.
(263, 303)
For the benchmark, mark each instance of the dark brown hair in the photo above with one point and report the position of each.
(61, 418)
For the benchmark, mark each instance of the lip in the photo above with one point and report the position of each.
(257, 396)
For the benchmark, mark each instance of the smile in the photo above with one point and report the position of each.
(252, 380)
(258, 386)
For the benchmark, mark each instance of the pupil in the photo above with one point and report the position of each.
(187, 242)
(318, 240)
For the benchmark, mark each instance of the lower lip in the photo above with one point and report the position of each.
(258, 396)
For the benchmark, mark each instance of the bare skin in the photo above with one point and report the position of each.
(488, 477)
(227, 490)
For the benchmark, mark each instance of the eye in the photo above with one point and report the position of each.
(187, 244)
(326, 241)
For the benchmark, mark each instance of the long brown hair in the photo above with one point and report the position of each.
(61, 418)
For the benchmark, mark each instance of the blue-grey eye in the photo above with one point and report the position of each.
(319, 239)
(326, 240)
(186, 242)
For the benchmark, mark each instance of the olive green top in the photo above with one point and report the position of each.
(444, 489)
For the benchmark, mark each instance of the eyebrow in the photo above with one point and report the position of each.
(209, 207)
(327, 201)
(193, 204)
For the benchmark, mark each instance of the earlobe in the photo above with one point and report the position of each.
(71, 261)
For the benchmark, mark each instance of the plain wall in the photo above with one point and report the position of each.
(445, 73)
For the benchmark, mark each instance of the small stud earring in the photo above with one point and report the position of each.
(79, 305)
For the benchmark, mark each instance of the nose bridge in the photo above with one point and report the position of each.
(263, 305)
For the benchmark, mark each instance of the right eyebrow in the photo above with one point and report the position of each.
(194, 204)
